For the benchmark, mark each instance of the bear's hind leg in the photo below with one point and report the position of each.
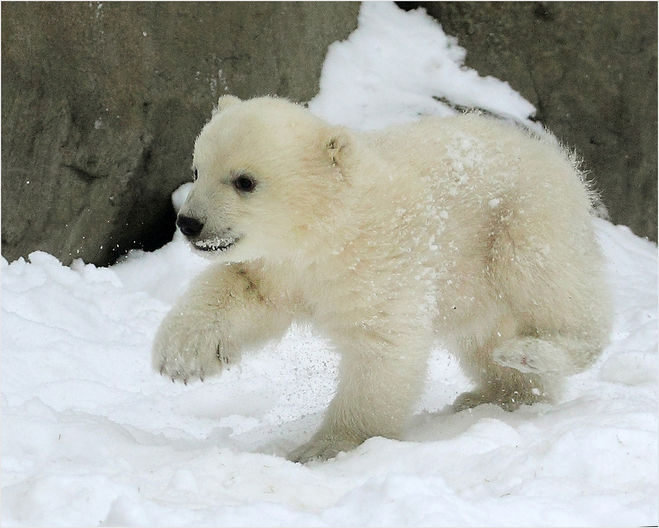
(497, 382)
(546, 355)
(508, 389)
(524, 369)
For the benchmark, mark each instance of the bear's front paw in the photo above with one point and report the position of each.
(321, 448)
(188, 352)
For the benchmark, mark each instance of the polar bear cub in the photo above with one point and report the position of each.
(464, 230)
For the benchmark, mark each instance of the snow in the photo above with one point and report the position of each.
(91, 436)
(400, 65)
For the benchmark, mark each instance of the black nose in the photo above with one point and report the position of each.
(189, 226)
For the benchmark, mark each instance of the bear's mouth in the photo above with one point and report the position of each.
(215, 244)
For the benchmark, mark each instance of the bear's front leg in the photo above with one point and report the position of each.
(379, 381)
(227, 308)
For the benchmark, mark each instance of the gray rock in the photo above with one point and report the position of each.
(101, 103)
(590, 68)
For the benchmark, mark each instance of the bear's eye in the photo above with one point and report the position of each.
(195, 175)
(244, 183)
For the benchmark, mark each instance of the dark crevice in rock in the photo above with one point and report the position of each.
(82, 173)
(102, 102)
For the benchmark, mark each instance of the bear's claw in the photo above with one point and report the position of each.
(322, 448)
(186, 356)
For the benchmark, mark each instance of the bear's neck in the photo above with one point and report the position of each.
(331, 241)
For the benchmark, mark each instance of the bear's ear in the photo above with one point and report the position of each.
(337, 148)
(224, 102)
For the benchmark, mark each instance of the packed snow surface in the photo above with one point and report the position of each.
(91, 436)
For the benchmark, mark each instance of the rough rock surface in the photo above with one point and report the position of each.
(590, 69)
(101, 103)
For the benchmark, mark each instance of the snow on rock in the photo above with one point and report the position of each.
(91, 436)
(180, 194)
(400, 65)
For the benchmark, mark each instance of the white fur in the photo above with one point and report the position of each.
(463, 229)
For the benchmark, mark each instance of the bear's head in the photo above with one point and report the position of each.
(269, 179)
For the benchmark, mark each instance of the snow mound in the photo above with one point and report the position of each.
(400, 65)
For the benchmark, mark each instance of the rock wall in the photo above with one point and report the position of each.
(101, 103)
(590, 69)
